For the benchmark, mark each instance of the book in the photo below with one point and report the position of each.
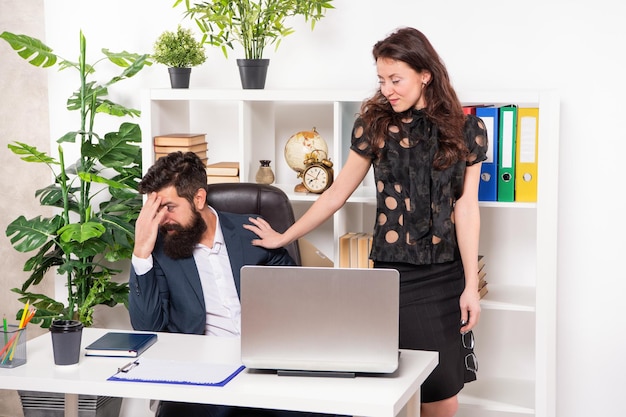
(481, 262)
(216, 179)
(202, 155)
(482, 284)
(526, 154)
(119, 344)
(506, 153)
(223, 168)
(344, 249)
(180, 139)
(488, 186)
(469, 110)
(364, 246)
(354, 249)
(202, 147)
(482, 291)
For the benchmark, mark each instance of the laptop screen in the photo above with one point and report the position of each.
(319, 319)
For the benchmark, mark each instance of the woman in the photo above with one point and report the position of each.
(427, 158)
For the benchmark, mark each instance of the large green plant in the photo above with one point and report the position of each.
(254, 24)
(96, 197)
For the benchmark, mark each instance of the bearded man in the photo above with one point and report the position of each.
(187, 256)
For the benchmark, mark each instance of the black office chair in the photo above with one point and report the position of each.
(269, 202)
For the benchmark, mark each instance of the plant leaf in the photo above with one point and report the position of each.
(31, 49)
(47, 308)
(114, 109)
(33, 155)
(117, 148)
(41, 263)
(52, 195)
(28, 235)
(80, 232)
(137, 62)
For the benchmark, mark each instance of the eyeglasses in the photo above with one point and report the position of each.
(471, 362)
(468, 340)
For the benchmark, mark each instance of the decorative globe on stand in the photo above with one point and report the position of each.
(298, 147)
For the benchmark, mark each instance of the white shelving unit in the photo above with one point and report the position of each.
(516, 338)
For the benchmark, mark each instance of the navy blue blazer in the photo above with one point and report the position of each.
(169, 297)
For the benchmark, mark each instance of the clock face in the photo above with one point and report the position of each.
(316, 179)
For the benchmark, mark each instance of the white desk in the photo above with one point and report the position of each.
(375, 396)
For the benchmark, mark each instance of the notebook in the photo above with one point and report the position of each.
(119, 344)
(332, 320)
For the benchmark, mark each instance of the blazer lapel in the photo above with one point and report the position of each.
(232, 239)
(190, 271)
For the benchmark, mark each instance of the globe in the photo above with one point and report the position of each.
(302, 143)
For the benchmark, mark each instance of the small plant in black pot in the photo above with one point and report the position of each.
(179, 51)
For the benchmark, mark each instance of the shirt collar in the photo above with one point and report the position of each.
(218, 239)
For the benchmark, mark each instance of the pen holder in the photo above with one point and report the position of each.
(13, 347)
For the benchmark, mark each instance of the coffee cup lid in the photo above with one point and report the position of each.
(66, 326)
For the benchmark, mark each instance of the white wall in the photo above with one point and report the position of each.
(574, 46)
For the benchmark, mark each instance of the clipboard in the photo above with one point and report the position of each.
(177, 372)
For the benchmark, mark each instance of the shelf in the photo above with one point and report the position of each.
(499, 204)
(498, 394)
(363, 195)
(509, 298)
(518, 239)
(325, 96)
(367, 195)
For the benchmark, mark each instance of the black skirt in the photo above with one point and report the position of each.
(430, 319)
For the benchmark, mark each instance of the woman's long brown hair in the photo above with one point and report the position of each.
(443, 107)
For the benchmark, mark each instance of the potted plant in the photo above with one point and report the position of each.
(95, 197)
(254, 24)
(179, 51)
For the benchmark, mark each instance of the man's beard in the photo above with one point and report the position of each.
(182, 242)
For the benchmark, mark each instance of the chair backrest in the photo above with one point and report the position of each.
(269, 202)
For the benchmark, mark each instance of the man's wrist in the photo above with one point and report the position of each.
(142, 265)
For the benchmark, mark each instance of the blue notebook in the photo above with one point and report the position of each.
(129, 345)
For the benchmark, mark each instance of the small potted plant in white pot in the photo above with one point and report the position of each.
(179, 51)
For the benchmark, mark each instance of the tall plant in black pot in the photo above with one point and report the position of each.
(179, 51)
(95, 196)
(254, 24)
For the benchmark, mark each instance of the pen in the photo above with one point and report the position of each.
(128, 366)
(24, 315)
(6, 330)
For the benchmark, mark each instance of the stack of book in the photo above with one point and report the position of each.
(222, 172)
(183, 142)
(482, 284)
(354, 250)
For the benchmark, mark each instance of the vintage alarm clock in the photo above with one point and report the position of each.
(318, 172)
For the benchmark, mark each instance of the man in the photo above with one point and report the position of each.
(186, 263)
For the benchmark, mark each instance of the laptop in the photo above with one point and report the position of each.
(319, 320)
